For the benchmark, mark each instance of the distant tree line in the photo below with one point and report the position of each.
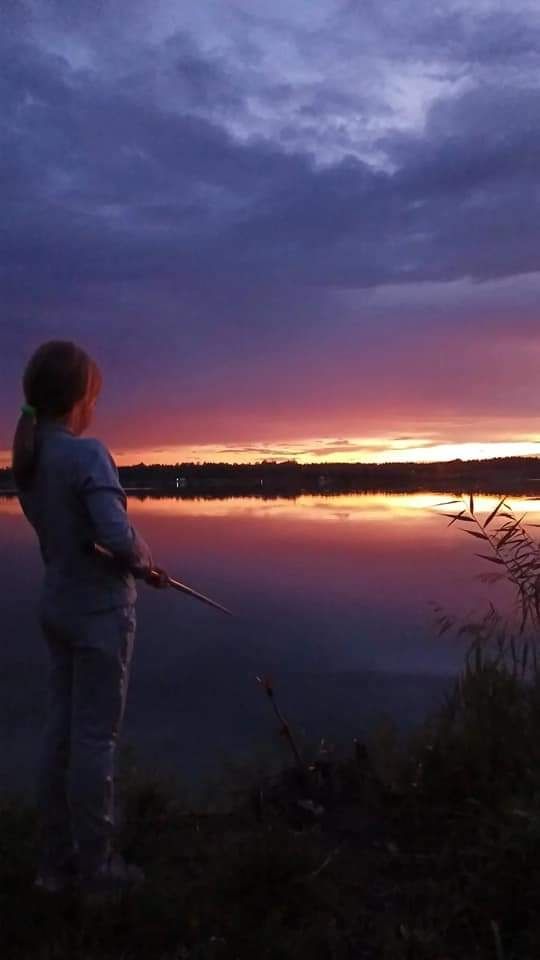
(289, 477)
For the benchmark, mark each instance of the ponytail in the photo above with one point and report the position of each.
(24, 450)
(57, 376)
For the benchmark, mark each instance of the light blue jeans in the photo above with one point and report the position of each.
(90, 657)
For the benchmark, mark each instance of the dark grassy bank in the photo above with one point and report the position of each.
(425, 848)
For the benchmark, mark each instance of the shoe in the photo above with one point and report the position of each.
(51, 883)
(58, 879)
(114, 878)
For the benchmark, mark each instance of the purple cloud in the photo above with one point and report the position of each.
(241, 214)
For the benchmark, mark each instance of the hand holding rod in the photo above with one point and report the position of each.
(175, 584)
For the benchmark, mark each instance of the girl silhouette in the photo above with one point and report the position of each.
(69, 491)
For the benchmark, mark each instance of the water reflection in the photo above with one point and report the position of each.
(332, 596)
(359, 506)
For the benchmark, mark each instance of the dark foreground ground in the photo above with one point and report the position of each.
(427, 849)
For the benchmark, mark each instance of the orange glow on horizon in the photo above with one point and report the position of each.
(414, 449)
(362, 450)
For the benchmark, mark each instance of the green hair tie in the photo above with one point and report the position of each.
(28, 409)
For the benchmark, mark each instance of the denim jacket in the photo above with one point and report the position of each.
(75, 499)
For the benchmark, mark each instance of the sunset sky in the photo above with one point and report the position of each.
(303, 229)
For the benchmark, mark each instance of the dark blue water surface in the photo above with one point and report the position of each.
(332, 597)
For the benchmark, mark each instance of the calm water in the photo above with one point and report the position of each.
(333, 599)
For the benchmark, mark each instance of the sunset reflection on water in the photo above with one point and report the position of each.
(329, 592)
(389, 556)
(354, 506)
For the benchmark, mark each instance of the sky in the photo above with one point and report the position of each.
(283, 229)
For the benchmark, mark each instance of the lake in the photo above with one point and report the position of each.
(333, 599)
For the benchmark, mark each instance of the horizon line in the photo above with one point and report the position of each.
(315, 463)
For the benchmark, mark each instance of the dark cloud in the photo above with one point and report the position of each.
(228, 178)
(454, 31)
(100, 187)
(263, 451)
(349, 448)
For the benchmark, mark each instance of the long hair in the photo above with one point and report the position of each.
(57, 376)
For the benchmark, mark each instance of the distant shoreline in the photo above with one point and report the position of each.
(219, 493)
(508, 475)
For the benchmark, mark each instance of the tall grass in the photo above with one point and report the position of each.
(485, 738)
(510, 547)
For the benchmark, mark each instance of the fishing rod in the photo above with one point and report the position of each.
(175, 584)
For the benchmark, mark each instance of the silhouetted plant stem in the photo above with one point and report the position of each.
(285, 728)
